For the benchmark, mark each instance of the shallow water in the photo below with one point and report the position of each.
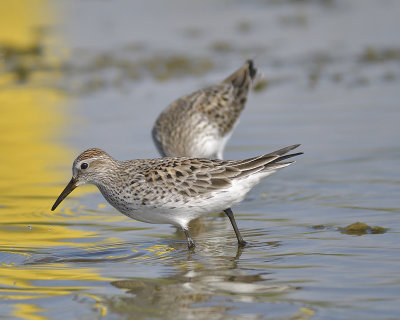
(332, 83)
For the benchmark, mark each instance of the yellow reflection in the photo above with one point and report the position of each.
(19, 279)
(19, 18)
(98, 305)
(28, 167)
(32, 167)
(28, 311)
(303, 314)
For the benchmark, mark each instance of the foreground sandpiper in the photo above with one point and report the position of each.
(173, 190)
(200, 124)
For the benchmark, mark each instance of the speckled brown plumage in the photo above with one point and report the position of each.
(173, 190)
(90, 153)
(199, 124)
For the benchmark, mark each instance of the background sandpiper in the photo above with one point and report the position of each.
(200, 124)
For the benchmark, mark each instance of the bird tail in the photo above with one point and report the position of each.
(266, 163)
(244, 76)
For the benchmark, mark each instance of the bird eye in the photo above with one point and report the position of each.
(84, 165)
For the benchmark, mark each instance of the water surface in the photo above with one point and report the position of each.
(331, 83)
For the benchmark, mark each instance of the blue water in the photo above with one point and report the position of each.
(321, 92)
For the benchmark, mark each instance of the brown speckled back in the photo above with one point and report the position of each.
(209, 113)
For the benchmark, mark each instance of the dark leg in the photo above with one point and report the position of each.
(190, 241)
(240, 240)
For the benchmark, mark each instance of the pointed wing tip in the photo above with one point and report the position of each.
(295, 146)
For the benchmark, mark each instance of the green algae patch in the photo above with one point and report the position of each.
(378, 230)
(110, 69)
(22, 61)
(360, 228)
(166, 67)
(222, 46)
(243, 26)
(319, 227)
(260, 85)
(372, 54)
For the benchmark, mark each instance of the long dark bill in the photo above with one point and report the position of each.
(68, 189)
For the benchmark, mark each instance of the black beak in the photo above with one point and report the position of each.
(68, 189)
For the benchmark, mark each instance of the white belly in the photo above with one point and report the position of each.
(180, 213)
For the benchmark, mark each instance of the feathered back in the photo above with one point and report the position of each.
(204, 116)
